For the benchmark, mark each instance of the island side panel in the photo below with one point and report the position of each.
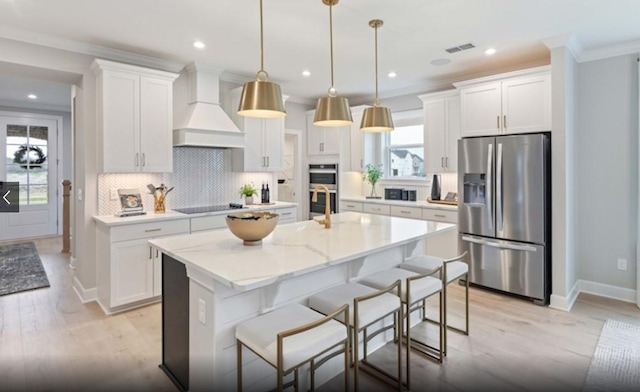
(175, 322)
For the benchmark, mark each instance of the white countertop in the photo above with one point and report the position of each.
(295, 248)
(419, 203)
(111, 220)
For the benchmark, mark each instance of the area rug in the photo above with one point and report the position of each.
(21, 268)
(615, 365)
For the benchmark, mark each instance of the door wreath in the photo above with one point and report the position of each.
(21, 157)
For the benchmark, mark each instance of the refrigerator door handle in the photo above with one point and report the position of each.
(499, 206)
(489, 200)
(527, 248)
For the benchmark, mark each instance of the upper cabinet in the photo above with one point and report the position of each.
(264, 141)
(442, 131)
(517, 102)
(323, 140)
(134, 118)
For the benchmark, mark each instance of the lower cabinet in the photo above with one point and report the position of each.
(129, 269)
(287, 215)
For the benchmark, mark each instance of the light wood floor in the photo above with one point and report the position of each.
(50, 341)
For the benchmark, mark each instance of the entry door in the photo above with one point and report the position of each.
(30, 147)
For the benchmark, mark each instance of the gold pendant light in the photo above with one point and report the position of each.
(378, 118)
(332, 111)
(261, 98)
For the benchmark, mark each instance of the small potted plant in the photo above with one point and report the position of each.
(247, 190)
(372, 173)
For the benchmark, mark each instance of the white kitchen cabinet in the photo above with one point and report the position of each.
(129, 269)
(264, 141)
(351, 206)
(442, 131)
(406, 212)
(374, 208)
(134, 118)
(518, 102)
(287, 215)
(323, 140)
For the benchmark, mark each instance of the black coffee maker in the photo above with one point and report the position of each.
(435, 187)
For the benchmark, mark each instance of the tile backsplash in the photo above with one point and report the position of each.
(201, 176)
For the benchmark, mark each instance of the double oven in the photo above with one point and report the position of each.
(323, 174)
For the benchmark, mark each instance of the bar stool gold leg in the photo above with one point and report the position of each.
(239, 364)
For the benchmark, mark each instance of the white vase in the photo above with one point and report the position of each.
(248, 200)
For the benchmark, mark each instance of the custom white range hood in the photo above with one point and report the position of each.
(198, 118)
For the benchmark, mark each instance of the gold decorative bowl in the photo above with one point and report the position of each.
(252, 227)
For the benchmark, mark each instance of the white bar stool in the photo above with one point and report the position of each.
(452, 269)
(415, 288)
(369, 306)
(292, 336)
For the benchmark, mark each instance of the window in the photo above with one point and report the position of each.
(27, 163)
(404, 146)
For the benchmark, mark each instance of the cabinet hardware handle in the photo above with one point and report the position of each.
(405, 212)
(157, 253)
(285, 213)
(351, 206)
(498, 121)
(446, 162)
(376, 209)
(268, 162)
(361, 161)
(144, 161)
(439, 215)
(137, 159)
(504, 121)
(150, 254)
(441, 161)
(150, 230)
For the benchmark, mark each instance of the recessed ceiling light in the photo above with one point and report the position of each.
(306, 73)
(198, 44)
(440, 62)
(392, 74)
(490, 51)
(32, 96)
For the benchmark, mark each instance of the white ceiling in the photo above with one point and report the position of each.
(415, 32)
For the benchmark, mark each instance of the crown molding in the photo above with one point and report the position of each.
(89, 49)
(568, 41)
(610, 51)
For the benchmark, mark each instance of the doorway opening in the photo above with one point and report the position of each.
(290, 178)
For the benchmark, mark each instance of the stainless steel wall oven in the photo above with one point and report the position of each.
(323, 174)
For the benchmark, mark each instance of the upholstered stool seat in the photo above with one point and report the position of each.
(368, 306)
(291, 336)
(452, 269)
(415, 288)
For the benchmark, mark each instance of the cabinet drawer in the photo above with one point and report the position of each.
(149, 230)
(407, 212)
(208, 223)
(440, 215)
(380, 209)
(286, 214)
(350, 206)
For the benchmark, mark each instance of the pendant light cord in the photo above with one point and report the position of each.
(376, 101)
(261, 40)
(331, 43)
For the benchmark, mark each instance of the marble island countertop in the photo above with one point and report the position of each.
(293, 249)
(111, 220)
(402, 203)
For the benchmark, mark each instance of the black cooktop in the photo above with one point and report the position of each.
(199, 210)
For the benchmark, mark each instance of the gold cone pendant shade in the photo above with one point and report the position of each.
(332, 111)
(377, 118)
(261, 98)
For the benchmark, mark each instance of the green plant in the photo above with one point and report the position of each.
(248, 190)
(372, 173)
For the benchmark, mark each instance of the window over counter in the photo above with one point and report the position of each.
(403, 148)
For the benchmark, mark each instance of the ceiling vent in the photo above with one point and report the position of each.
(460, 48)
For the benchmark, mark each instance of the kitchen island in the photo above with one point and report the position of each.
(212, 282)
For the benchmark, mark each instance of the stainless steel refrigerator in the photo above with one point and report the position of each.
(504, 212)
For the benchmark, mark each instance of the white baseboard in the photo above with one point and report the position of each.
(605, 290)
(85, 295)
(565, 303)
(600, 289)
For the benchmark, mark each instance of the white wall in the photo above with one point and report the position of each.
(607, 174)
